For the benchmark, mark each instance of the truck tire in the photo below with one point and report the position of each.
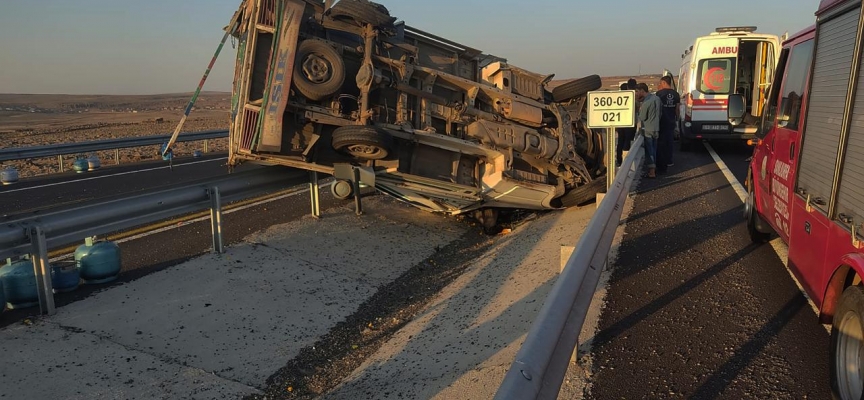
(846, 345)
(319, 71)
(583, 194)
(363, 142)
(576, 88)
(363, 12)
(756, 236)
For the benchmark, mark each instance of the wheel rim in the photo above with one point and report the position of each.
(850, 356)
(316, 69)
(364, 150)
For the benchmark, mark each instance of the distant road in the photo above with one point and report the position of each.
(70, 188)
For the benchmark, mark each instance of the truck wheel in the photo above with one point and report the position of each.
(363, 12)
(576, 88)
(583, 194)
(342, 189)
(847, 345)
(750, 213)
(363, 142)
(319, 72)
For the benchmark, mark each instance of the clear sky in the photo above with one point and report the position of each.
(163, 46)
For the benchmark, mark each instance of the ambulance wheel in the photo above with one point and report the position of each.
(847, 346)
(363, 142)
(756, 236)
(576, 88)
(319, 71)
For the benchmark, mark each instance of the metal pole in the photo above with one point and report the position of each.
(314, 193)
(216, 219)
(61, 162)
(206, 145)
(357, 205)
(42, 270)
(610, 159)
(117, 156)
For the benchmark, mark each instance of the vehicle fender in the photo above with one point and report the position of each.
(842, 277)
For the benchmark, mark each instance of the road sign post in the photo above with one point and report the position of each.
(610, 110)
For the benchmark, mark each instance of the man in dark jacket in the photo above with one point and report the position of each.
(668, 119)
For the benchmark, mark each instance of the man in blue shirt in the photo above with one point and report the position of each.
(649, 118)
(668, 119)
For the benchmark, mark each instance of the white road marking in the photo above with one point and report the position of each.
(779, 246)
(108, 176)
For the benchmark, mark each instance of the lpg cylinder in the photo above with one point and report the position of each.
(9, 175)
(98, 262)
(65, 276)
(80, 165)
(93, 163)
(19, 284)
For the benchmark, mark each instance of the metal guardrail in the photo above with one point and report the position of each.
(541, 363)
(36, 234)
(54, 150)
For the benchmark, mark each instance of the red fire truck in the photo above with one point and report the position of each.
(806, 178)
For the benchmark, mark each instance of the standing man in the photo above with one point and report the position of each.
(625, 135)
(649, 118)
(668, 120)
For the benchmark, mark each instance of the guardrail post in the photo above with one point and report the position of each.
(117, 156)
(357, 205)
(314, 194)
(206, 145)
(216, 219)
(42, 269)
(61, 162)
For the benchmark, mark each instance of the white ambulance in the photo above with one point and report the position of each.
(729, 60)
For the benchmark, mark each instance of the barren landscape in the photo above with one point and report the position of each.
(45, 119)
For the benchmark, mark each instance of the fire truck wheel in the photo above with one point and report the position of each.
(576, 88)
(756, 236)
(847, 346)
(319, 71)
(363, 142)
(363, 12)
(583, 194)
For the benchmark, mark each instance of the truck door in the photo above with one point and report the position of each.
(820, 140)
(785, 140)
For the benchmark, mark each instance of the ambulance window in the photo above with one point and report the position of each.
(793, 87)
(715, 75)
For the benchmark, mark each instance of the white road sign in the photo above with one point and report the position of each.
(612, 109)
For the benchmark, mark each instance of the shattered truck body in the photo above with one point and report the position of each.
(426, 120)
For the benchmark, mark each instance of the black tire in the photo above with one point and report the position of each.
(583, 194)
(363, 142)
(319, 71)
(750, 213)
(363, 12)
(845, 339)
(685, 145)
(576, 88)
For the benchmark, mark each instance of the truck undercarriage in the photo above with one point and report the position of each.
(429, 121)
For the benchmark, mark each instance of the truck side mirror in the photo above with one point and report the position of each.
(737, 109)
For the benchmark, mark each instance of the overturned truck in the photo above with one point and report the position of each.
(429, 121)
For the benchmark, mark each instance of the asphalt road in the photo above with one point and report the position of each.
(69, 188)
(694, 310)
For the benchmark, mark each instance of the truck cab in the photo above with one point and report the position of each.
(806, 178)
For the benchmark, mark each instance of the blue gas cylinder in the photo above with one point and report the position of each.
(65, 276)
(98, 262)
(19, 284)
(93, 163)
(9, 175)
(2, 297)
(80, 165)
